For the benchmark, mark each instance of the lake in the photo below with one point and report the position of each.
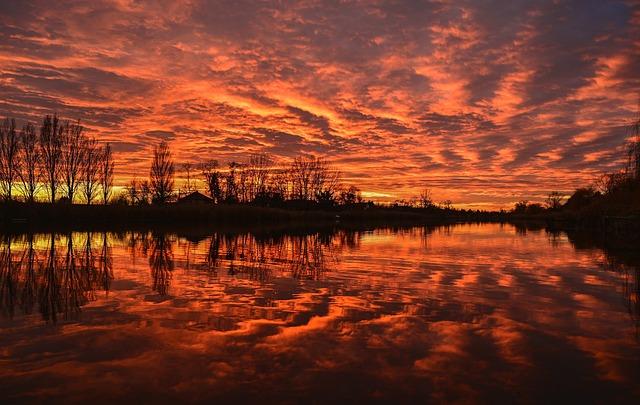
(465, 313)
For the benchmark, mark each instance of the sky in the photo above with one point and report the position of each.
(483, 102)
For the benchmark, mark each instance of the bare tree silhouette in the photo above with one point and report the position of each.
(213, 180)
(59, 158)
(139, 192)
(259, 171)
(9, 157)
(162, 171)
(51, 153)
(29, 155)
(425, 200)
(90, 171)
(73, 148)
(312, 179)
(231, 189)
(105, 173)
(350, 196)
(189, 185)
(554, 200)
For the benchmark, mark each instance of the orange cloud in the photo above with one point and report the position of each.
(440, 95)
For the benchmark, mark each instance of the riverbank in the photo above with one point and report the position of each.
(42, 216)
(603, 223)
(201, 218)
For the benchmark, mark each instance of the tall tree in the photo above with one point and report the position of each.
(213, 180)
(425, 200)
(279, 185)
(231, 189)
(9, 162)
(105, 173)
(73, 148)
(139, 193)
(301, 173)
(554, 200)
(312, 178)
(30, 157)
(259, 171)
(189, 185)
(162, 172)
(350, 196)
(243, 182)
(51, 154)
(90, 170)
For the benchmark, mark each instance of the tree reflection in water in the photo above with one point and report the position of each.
(161, 262)
(56, 274)
(27, 297)
(49, 272)
(620, 255)
(243, 255)
(7, 278)
(631, 287)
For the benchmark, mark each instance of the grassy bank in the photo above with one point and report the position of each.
(203, 217)
(41, 216)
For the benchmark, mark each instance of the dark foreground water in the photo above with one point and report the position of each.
(471, 313)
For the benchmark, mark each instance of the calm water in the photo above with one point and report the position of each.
(471, 313)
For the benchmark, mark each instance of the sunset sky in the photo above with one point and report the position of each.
(484, 102)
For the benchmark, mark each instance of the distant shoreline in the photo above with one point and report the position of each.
(167, 216)
(199, 217)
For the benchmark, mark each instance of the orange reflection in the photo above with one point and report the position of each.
(450, 313)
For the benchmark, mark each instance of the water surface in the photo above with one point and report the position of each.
(470, 313)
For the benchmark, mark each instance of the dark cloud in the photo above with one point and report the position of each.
(312, 120)
(282, 143)
(160, 135)
(391, 125)
(454, 124)
(127, 147)
(82, 83)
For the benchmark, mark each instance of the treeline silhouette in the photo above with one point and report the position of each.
(260, 180)
(614, 194)
(307, 181)
(57, 158)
